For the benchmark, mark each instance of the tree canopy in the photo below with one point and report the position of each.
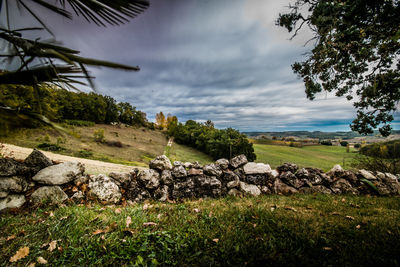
(356, 54)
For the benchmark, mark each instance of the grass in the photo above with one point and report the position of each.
(323, 157)
(139, 145)
(269, 230)
(184, 153)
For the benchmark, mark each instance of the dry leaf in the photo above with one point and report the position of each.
(99, 231)
(32, 264)
(210, 214)
(52, 245)
(11, 237)
(128, 221)
(21, 253)
(196, 210)
(216, 240)
(159, 216)
(118, 210)
(44, 245)
(254, 225)
(74, 189)
(327, 248)
(349, 218)
(51, 214)
(343, 200)
(149, 224)
(335, 213)
(102, 237)
(290, 208)
(63, 218)
(358, 226)
(41, 260)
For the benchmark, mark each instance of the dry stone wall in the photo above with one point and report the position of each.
(37, 180)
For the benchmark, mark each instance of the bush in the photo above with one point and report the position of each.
(80, 123)
(344, 143)
(99, 136)
(50, 147)
(83, 154)
(326, 143)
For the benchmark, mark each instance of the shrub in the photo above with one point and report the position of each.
(99, 136)
(326, 143)
(84, 154)
(344, 143)
(50, 147)
(80, 123)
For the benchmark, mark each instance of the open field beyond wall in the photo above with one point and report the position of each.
(310, 230)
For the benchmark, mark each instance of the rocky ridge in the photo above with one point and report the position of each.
(38, 181)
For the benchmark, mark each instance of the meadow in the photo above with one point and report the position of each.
(310, 230)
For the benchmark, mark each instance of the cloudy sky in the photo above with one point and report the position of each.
(221, 60)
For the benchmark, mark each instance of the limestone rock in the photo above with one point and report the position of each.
(256, 168)
(84, 179)
(281, 188)
(336, 171)
(342, 186)
(13, 184)
(193, 172)
(233, 184)
(265, 190)
(197, 165)
(315, 189)
(49, 195)
(187, 165)
(274, 174)
(178, 163)
(223, 164)
(179, 171)
(4, 194)
(122, 179)
(12, 201)
(104, 188)
(11, 167)
(257, 179)
(78, 196)
(287, 167)
(234, 192)
(161, 163)
(161, 194)
(208, 182)
(238, 161)
(367, 174)
(212, 170)
(37, 161)
(149, 178)
(291, 179)
(249, 189)
(184, 189)
(59, 174)
(166, 177)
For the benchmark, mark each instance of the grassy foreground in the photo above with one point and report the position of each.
(268, 230)
(323, 157)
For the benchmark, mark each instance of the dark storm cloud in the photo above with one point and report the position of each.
(221, 60)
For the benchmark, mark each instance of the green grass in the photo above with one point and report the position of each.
(183, 153)
(269, 230)
(323, 157)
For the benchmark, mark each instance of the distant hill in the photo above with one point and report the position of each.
(314, 134)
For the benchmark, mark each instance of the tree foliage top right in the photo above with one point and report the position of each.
(356, 54)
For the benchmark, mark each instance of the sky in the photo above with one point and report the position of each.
(224, 61)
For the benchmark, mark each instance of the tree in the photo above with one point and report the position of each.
(45, 62)
(356, 54)
(161, 120)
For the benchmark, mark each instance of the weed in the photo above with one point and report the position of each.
(99, 136)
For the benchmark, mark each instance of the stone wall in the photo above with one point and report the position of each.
(37, 180)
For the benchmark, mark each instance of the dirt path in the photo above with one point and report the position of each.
(91, 166)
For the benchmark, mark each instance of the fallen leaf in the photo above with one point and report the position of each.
(254, 225)
(272, 208)
(216, 240)
(327, 248)
(145, 206)
(74, 189)
(118, 210)
(21, 253)
(149, 224)
(52, 245)
(32, 264)
(196, 210)
(41, 260)
(335, 213)
(98, 231)
(44, 245)
(210, 214)
(102, 237)
(159, 216)
(349, 217)
(290, 208)
(51, 214)
(128, 221)
(63, 218)
(358, 226)
(11, 237)
(343, 200)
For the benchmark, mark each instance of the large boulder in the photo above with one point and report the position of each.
(238, 161)
(149, 178)
(291, 179)
(102, 187)
(280, 187)
(12, 201)
(48, 195)
(179, 171)
(60, 174)
(208, 186)
(212, 170)
(336, 172)
(161, 163)
(11, 167)
(185, 188)
(37, 161)
(249, 189)
(256, 168)
(166, 177)
(366, 174)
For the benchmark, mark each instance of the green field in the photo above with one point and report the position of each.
(306, 230)
(323, 157)
(187, 154)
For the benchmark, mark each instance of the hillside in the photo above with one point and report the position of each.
(122, 144)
